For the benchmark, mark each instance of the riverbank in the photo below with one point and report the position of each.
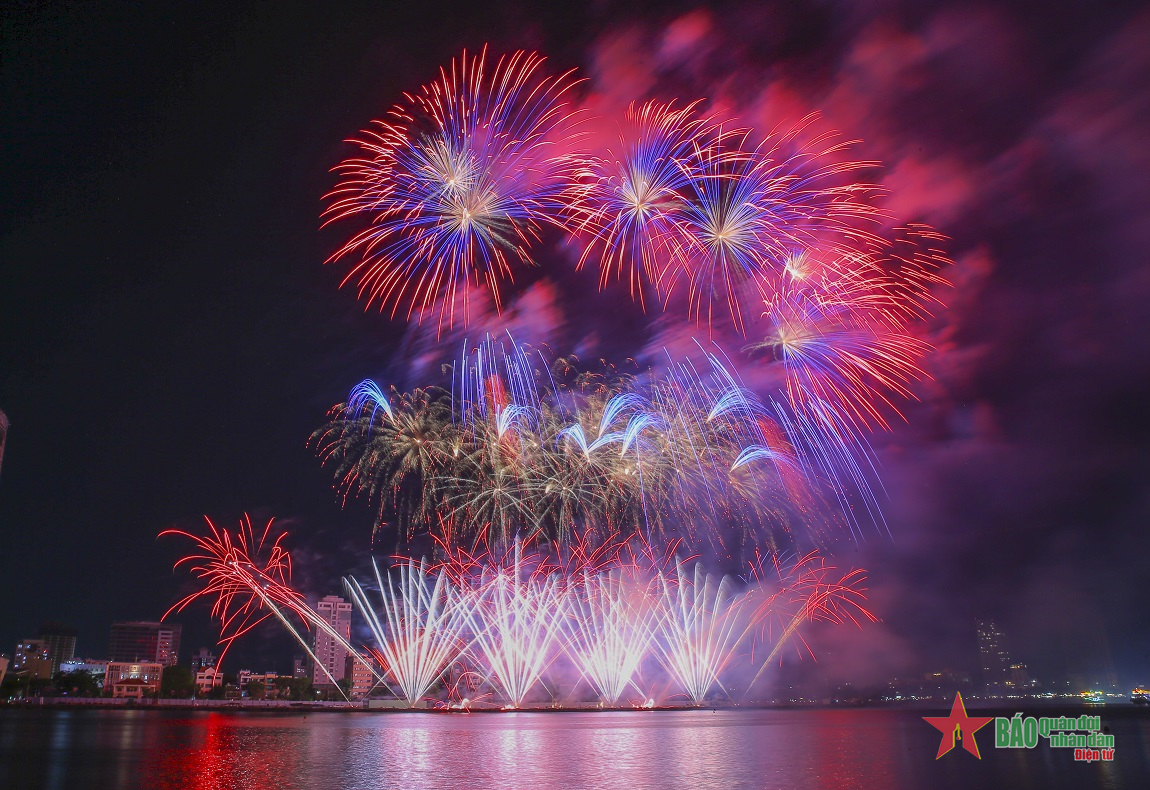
(432, 706)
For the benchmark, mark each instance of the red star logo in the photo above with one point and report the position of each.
(958, 726)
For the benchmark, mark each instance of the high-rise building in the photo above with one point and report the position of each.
(3, 435)
(61, 642)
(32, 659)
(329, 653)
(145, 642)
(994, 658)
(27, 649)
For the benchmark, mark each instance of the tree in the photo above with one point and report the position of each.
(301, 689)
(37, 686)
(218, 692)
(177, 682)
(257, 689)
(15, 686)
(80, 683)
(283, 687)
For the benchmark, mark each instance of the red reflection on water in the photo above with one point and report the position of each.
(845, 752)
(219, 750)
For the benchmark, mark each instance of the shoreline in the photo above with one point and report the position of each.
(393, 706)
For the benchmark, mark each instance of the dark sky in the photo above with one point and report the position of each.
(169, 336)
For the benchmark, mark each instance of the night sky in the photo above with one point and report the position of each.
(169, 335)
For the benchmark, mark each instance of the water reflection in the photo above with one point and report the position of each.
(807, 749)
(60, 750)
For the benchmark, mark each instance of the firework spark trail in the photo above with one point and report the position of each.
(719, 242)
(819, 445)
(247, 590)
(611, 627)
(464, 175)
(367, 393)
(838, 348)
(517, 450)
(814, 594)
(505, 618)
(458, 183)
(516, 623)
(701, 630)
(631, 193)
(228, 566)
(747, 210)
(491, 377)
(421, 631)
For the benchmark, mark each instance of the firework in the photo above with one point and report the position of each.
(633, 192)
(611, 627)
(701, 630)
(721, 242)
(560, 499)
(774, 236)
(457, 184)
(240, 572)
(522, 449)
(516, 622)
(248, 578)
(835, 331)
(746, 211)
(807, 591)
(616, 611)
(420, 632)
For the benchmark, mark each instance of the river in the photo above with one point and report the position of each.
(891, 749)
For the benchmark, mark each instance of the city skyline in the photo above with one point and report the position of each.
(178, 338)
(993, 671)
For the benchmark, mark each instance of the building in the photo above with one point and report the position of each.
(133, 688)
(3, 436)
(93, 665)
(32, 659)
(207, 679)
(329, 652)
(3, 668)
(61, 642)
(299, 667)
(1020, 679)
(246, 676)
(994, 660)
(133, 680)
(358, 672)
(26, 650)
(144, 642)
(204, 659)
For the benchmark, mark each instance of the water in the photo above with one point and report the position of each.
(841, 749)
